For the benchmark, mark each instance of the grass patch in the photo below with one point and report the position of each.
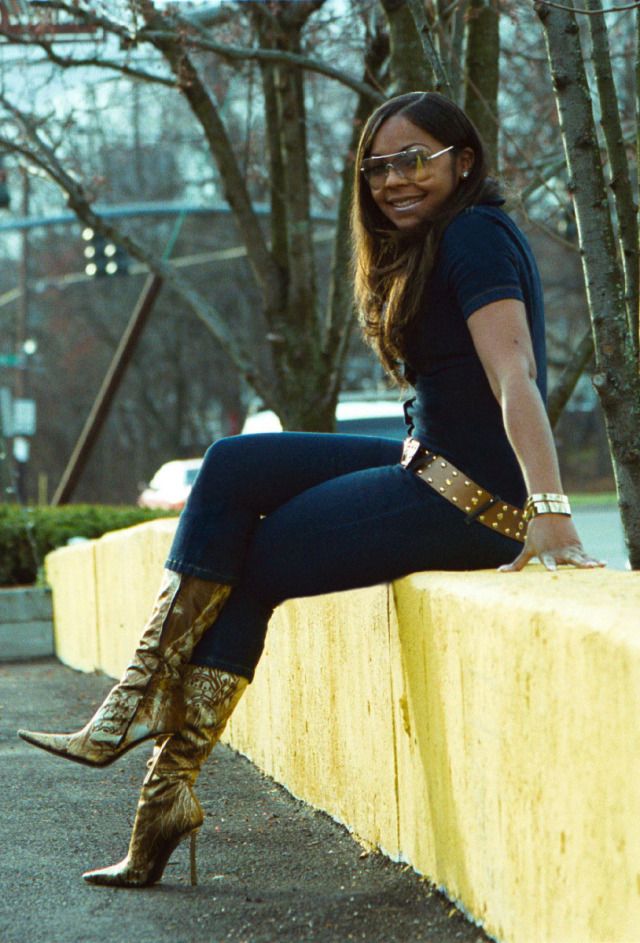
(599, 499)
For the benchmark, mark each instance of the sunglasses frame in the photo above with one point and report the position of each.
(388, 162)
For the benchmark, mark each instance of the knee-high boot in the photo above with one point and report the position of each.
(147, 701)
(168, 809)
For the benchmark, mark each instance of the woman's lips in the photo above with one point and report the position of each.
(406, 203)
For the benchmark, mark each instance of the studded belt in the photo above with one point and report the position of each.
(476, 503)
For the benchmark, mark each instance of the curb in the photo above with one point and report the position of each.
(26, 623)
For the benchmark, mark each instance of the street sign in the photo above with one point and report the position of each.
(6, 412)
(24, 417)
(21, 449)
(11, 360)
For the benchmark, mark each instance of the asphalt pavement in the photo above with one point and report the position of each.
(270, 868)
(600, 529)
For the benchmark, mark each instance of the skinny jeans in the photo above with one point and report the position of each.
(288, 514)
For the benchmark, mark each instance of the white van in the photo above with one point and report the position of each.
(355, 415)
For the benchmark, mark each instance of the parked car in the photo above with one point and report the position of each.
(355, 415)
(169, 488)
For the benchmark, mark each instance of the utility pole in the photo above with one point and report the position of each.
(23, 285)
(21, 444)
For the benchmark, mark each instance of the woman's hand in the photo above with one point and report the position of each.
(553, 539)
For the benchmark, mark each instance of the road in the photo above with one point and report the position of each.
(271, 869)
(600, 530)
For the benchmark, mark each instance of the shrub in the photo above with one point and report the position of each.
(28, 534)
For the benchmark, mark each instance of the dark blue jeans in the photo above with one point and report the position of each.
(284, 515)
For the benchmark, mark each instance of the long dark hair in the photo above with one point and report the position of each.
(392, 267)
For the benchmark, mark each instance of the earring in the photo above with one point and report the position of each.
(465, 174)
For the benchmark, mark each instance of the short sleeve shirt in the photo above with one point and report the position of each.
(483, 257)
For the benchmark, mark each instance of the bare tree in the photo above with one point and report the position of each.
(608, 238)
(251, 76)
(306, 331)
(306, 335)
(483, 71)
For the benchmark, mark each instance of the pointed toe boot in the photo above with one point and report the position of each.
(147, 702)
(168, 809)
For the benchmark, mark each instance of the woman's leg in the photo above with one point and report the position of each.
(168, 808)
(147, 701)
(339, 513)
(241, 479)
(244, 478)
(359, 529)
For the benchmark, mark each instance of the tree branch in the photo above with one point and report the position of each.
(276, 56)
(37, 151)
(560, 6)
(91, 18)
(620, 176)
(183, 36)
(67, 62)
(573, 370)
(208, 116)
(424, 31)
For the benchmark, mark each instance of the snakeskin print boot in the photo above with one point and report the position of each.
(147, 701)
(168, 809)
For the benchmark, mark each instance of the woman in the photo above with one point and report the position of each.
(451, 301)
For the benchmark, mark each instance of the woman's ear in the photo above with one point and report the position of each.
(466, 160)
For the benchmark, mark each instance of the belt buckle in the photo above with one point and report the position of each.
(410, 448)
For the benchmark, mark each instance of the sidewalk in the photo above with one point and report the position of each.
(271, 870)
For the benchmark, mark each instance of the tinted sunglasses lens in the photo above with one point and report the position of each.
(375, 172)
(411, 165)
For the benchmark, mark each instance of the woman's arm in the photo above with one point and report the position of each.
(501, 337)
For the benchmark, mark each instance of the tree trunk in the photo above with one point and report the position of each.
(425, 29)
(482, 72)
(456, 26)
(616, 379)
(303, 396)
(341, 318)
(410, 69)
(626, 208)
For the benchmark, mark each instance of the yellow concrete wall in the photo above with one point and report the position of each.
(71, 570)
(483, 727)
(522, 698)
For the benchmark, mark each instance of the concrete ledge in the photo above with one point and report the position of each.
(26, 623)
(483, 727)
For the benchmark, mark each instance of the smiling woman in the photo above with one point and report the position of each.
(451, 300)
(413, 184)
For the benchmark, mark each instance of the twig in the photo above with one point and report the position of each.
(560, 6)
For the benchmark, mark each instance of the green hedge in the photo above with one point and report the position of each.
(28, 534)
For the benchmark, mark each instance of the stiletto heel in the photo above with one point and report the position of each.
(168, 809)
(192, 858)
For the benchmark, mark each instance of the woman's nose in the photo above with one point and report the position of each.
(394, 177)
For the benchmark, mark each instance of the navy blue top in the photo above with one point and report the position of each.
(483, 257)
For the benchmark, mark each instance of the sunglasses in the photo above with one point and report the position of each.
(412, 164)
